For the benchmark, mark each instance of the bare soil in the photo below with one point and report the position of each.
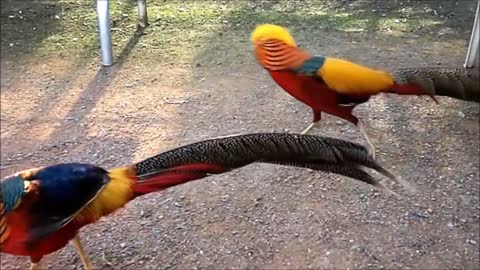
(171, 86)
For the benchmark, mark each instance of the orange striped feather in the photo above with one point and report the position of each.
(4, 229)
(275, 55)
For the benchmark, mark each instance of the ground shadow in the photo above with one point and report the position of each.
(76, 118)
(25, 24)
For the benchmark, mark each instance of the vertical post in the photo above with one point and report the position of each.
(104, 30)
(142, 13)
(473, 48)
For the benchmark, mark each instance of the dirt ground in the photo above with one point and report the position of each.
(192, 76)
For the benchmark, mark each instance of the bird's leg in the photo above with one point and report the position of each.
(346, 113)
(34, 266)
(317, 116)
(312, 125)
(81, 252)
(35, 263)
(371, 150)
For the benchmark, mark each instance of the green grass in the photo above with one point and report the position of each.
(180, 30)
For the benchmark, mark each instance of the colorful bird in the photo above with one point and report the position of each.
(325, 84)
(43, 209)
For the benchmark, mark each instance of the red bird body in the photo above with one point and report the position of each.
(44, 246)
(317, 96)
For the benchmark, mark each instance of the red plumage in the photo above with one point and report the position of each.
(317, 95)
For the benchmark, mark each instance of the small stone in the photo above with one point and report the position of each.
(177, 204)
(356, 248)
(471, 242)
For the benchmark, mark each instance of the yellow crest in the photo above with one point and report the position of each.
(270, 31)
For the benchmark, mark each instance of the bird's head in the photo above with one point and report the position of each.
(266, 32)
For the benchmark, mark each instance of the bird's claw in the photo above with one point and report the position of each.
(371, 152)
(310, 127)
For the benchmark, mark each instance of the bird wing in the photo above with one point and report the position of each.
(350, 78)
(345, 77)
(57, 193)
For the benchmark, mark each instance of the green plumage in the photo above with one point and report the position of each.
(12, 191)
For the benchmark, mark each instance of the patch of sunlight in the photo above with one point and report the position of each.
(177, 28)
(393, 33)
(63, 104)
(151, 113)
(341, 15)
(407, 10)
(19, 103)
(403, 24)
(76, 29)
(300, 7)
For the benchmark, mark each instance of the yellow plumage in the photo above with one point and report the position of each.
(265, 32)
(112, 197)
(347, 77)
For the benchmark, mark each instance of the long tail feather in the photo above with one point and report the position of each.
(215, 156)
(459, 83)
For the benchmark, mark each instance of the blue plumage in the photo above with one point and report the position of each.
(63, 190)
(70, 186)
(72, 182)
(311, 66)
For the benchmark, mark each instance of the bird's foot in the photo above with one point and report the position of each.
(83, 256)
(371, 151)
(34, 266)
(371, 147)
(311, 126)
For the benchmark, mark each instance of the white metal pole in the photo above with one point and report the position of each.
(142, 13)
(104, 29)
(473, 53)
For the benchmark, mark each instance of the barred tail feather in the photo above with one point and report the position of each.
(215, 156)
(459, 83)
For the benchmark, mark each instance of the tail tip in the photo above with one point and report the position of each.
(405, 184)
(387, 190)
